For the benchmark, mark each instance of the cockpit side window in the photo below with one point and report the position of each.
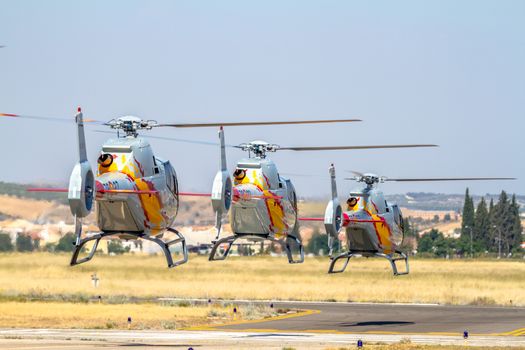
(155, 166)
(171, 178)
(352, 202)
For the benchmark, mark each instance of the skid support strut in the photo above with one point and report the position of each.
(392, 258)
(165, 246)
(285, 245)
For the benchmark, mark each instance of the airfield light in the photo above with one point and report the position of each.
(271, 305)
(359, 343)
(234, 310)
(465, 334)
(79, 109)
(129, 322)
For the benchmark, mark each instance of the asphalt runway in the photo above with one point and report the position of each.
(316, 326)
(394, 319)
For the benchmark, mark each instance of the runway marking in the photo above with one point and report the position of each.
(517, 332)
(302, 313)
(213, 327)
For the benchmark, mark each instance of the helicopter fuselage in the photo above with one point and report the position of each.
(371, 224)
(264, 203)
(129, 164)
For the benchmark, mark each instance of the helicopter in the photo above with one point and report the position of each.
(136, 193)
(373, 227)
(263, 203)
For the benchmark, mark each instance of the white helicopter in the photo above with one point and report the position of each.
(373, 227)
(263, 203)
(136, 192)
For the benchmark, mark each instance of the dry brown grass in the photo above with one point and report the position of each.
(409, 346)
(28, 209)
(108, 316)
(430, 281)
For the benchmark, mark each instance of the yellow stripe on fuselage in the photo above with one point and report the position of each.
(151, 204)
(381, 228)
(274, 207)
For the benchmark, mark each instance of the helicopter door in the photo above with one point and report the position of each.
(398, 217)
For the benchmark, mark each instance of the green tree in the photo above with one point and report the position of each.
(516, 233)
(503, 221)
(24, 243)
(318, 244)
(66, 243)
(481, 234)
(425, 243)
(436, 243)
(467, 223)
(116, 247)
(5, 243)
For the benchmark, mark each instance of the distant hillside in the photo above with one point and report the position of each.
(441, 201)
(19, 190)
(410, 200)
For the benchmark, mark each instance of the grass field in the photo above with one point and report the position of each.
(108, 316)
(430, 281)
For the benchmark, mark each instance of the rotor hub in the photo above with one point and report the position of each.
(131, 125)
(259, 148)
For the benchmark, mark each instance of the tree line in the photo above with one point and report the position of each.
(493, 228)
(25, 243)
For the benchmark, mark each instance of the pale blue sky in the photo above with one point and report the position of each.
(445, 72)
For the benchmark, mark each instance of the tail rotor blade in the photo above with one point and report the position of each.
(52, 119)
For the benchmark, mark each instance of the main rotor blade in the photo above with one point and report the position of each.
(170, 139)
(52, 119)
(356, 173)
(449, 179)
(335, 148)
(206, 125)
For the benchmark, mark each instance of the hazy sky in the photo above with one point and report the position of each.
(445, 72)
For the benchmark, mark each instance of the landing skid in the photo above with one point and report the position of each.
(392, 258)
(165, 246)
(284, 244)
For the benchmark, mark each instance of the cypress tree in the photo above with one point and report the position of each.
(516, 233)
(467, 221)
(481, 233)
(503, 221)
(492, 231)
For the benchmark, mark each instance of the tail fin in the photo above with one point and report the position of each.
(81, 181)
(224, 166)
(333, 213)
(221, 194)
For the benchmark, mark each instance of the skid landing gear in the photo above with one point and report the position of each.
(165, 246)
(285, 244)
(392, 258)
